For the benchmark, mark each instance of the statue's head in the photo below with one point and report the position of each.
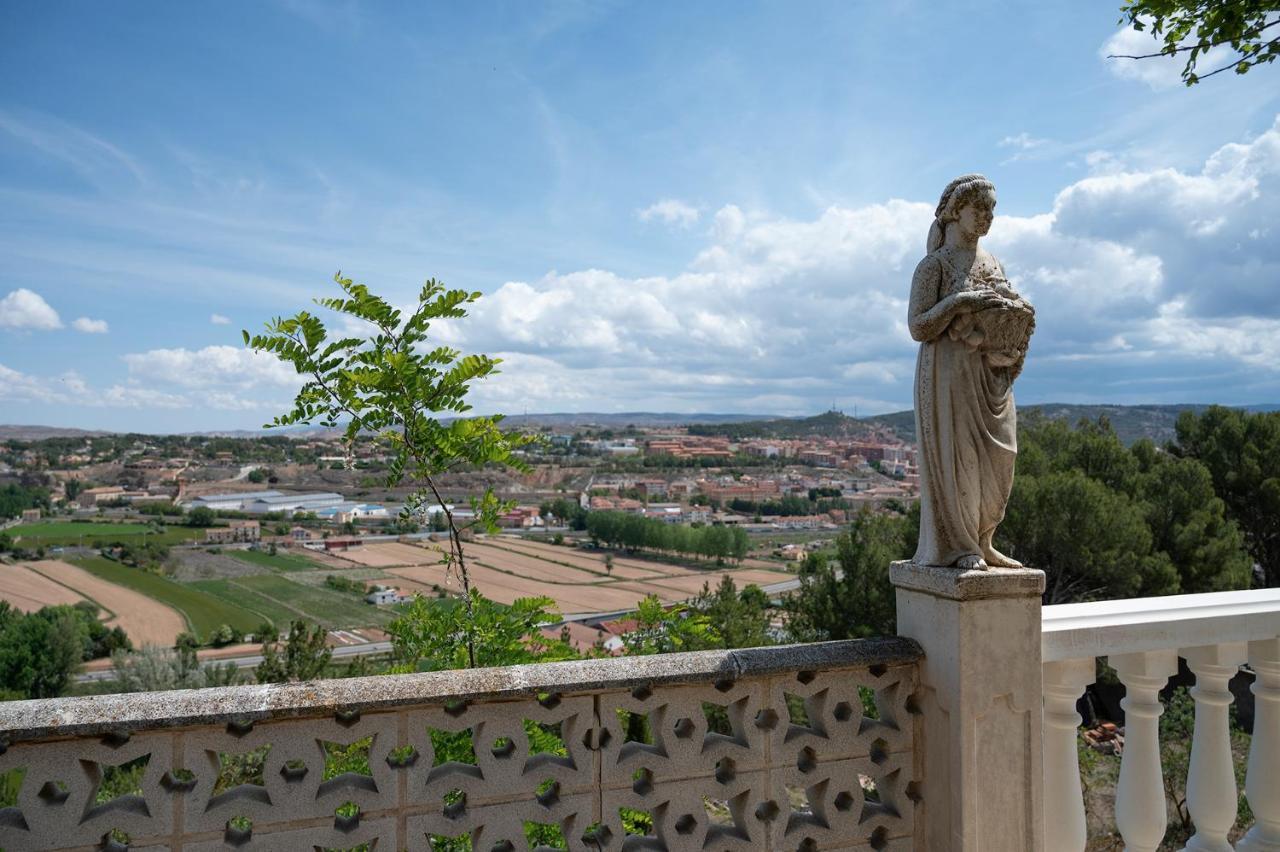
(968, 203)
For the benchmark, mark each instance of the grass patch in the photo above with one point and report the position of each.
(59, 533)
(203, 611)
(242, 596)
(328, 608)
(277, 561)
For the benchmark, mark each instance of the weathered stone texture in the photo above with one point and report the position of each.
(733, 752)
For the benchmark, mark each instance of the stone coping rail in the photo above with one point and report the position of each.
(792, 747)
(111, 714)
(1103, 628)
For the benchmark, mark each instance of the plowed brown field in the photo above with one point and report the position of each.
(146, 621)
(29, 591)
(504, 569)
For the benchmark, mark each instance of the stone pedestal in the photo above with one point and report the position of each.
(981, 702)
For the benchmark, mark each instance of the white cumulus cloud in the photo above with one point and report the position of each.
(24, 308)
(1157, 72)
(1156, 276)
(89, 326)
(671, 211)
(70, 388)
(1151, 284)
(1023, 141)
(219, 319)
(211, 367)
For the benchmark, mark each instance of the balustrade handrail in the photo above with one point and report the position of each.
(1105, 628)
(103, 714)
(1143, 640)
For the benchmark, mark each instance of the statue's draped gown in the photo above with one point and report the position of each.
(966, 428)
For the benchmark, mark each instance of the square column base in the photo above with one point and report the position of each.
(981, 703)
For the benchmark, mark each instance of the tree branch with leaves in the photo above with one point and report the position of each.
(1194, 27)
(392, 384)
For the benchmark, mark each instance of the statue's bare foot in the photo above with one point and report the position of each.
(972, 562)
(996, 559)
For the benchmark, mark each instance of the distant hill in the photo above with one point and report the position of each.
(39, 433)
(618, 420)
(830, 424)
(1131, 422)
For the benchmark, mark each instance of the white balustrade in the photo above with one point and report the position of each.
(1262, 784)
(1064, 683)
(1142, 640)
(1141, 815)
(1211, 778)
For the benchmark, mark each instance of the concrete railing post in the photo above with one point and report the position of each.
(1211, 777)
(981, 699)
(1263, 781)
(1066, 829)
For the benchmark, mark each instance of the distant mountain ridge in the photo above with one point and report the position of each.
(629, 418)
(1131, 422)
(611, 420)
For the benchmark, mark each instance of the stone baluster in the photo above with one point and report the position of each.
(1262, 785)
(1211, 777)
(1141, 817)
(1064, 683)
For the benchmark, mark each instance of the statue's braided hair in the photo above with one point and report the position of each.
(953, 198)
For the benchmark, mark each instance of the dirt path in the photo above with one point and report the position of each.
(146, 621)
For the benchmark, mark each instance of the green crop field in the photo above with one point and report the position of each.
(278, 561)
(55, 533)
(243, 596)
(325, 606)
(203, 611)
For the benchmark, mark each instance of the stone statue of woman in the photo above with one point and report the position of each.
(973, 330)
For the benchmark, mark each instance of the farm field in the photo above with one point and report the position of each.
(532, 567)
(690, 584)
(505, 588)
(203, 612)
(236, 594)
(30, 591)
(525, 566)
(553, 551)
(287, 585)
(56, 533)
(277, 561)
(321, 559)
(623, 567)
(317, 578)
(325, 606)
(567, 556)
(504, 569)
(146, 621)
(386, 554)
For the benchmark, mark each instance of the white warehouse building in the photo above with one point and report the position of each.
(230, 502)
(293, 503)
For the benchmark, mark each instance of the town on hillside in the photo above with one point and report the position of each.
(237, 536)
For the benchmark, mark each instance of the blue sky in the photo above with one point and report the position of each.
(680, 207)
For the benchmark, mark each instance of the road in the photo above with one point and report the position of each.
(341, 652)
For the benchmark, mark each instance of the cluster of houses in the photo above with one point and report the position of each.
(883, 451)
(891, 457)
(91, 498)
(604, 635)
